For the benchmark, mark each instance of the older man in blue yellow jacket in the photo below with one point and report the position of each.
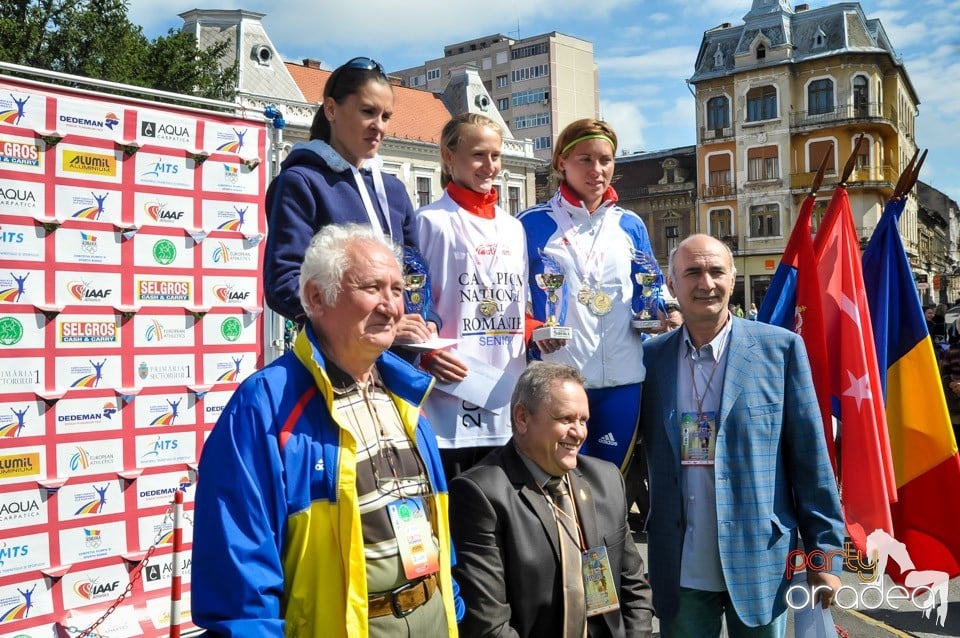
(321, 507)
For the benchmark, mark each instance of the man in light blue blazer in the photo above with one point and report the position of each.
(738, 466)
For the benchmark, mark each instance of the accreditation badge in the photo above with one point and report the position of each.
(418, 552)
(698, 438)
(599, 587)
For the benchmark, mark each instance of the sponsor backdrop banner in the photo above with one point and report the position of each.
(130, 308)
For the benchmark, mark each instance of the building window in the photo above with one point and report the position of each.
(502, 81)
(762, 163)
(816, 152)
(719, 178)
(513, 199)
(503, 103)
(423, 191)
(820, 97)
(761, 103)
(541, 142)
(529, 121)
(527, 51)
(530, 72)
(861, 96)
(718, 113)
(672, 237)
(761, 52)
(433, 74)
(721, 223)
(519, 98)
(816, 215)
(765, 220)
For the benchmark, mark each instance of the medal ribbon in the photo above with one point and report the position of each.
(693, 377)
(588, 268)
(381, 197)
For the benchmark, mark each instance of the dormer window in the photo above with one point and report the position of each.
(820, 39)
(718, 58)
(761, 52)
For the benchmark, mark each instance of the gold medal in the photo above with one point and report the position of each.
(585, 296)
(488, 307)
(601, 303)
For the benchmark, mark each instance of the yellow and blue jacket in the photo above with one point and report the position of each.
(278, 546)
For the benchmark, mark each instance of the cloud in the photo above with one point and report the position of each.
(628, 122)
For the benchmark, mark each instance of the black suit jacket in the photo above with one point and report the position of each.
(508, 552)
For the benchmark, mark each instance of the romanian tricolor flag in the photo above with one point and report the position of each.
(926, 517)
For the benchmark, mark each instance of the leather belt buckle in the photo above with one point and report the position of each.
(398, 611)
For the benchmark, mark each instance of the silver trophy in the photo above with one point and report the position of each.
(646, 272)
(551, 281)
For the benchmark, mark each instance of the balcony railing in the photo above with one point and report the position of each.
(885, 175)
(844, 112)
(718, 190)
(710, 134)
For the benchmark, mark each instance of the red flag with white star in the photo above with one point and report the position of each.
(868, 484)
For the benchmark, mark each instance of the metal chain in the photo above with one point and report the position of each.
(135, 574)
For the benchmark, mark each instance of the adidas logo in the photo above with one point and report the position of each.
(607, 439)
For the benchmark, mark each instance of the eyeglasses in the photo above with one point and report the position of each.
(361, 64)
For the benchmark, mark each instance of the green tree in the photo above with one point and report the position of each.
(94, 38)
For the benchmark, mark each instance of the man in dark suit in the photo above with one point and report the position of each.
(738, 463)
(527, 560)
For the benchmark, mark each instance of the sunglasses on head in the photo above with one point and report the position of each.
(360, 63)
(366, 64)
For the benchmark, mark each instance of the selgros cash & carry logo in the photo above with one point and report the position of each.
(13, 153)
(161, 290)
(89, 331)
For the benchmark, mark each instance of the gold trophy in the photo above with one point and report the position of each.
(551, 282)
(648, 275)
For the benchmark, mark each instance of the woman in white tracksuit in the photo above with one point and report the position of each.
(583, 233)
(477, 262)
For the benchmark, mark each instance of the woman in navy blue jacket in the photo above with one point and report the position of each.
(333, 179)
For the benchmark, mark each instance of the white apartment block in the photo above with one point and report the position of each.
(539, 84)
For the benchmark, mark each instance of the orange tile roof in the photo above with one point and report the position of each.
(417, 115)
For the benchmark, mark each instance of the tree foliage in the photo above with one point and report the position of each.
(94, 38)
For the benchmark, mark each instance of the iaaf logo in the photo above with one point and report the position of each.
(924, 589)
(227, 294)
(83, 291)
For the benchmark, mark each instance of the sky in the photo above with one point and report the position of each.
(645, 51)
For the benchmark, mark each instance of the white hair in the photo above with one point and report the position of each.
(327, 258)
